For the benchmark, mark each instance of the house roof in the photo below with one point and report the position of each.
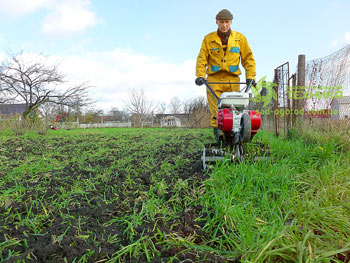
(170, 117)
(181, 116)
(12, 109)
(343, 100)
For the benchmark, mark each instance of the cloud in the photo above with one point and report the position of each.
(112, 73)
(339, 43)
(17, 8)
(335, 43)
(347, 37)
(68, 17)
(148, 37)
(82, 44)
(334, 4)
(63, 17)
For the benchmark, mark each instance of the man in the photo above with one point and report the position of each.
(219, 59)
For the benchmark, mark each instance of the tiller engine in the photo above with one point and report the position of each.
(236, 125)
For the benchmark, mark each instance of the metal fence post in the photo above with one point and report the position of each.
(276, 104)
(294, 83)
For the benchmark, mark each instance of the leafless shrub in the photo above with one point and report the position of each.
(198, 111)
(139, 106)
(20, 125)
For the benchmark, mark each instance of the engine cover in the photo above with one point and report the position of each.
(255, 118)
(225, 119)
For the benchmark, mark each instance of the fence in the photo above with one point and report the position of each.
(316, 96)
(74, 125)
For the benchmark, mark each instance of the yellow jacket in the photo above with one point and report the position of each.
(212, 58)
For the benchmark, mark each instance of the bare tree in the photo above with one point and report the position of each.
(92, 115)
(50, 110)
(139, 106)
(198, 111)
(187, 105)
(2, 98)
(36, 83)
(196, 104)
(175, 105)
(3, 94)
(117, 115)
(162, 108)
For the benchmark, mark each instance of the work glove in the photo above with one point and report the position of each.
(250, 81)
(199, 81)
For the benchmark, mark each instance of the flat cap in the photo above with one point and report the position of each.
(224, 14)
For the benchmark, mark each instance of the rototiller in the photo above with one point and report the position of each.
(236, 125)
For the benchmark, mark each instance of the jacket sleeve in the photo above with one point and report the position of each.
(248, 60)
(202, 60)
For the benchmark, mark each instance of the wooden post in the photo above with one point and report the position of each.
(301, 70)
(301, 79)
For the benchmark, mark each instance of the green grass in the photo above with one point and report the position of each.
(138, 195)
(293, 208)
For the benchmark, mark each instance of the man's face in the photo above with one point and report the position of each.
(224, 25)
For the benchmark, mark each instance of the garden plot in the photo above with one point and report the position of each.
(84, 196)
(140, 195)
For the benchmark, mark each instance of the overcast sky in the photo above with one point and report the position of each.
(154, 44)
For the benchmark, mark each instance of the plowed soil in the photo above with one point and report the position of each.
(104, 197)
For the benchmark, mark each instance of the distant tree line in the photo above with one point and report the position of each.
(46, 92)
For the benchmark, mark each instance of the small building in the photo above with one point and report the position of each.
(106, 118)
(340, 108)
(170, 121)
(11, 110)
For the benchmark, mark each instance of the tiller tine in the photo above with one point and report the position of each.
(213, 153)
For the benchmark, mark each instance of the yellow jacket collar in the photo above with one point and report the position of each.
(231, 40)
